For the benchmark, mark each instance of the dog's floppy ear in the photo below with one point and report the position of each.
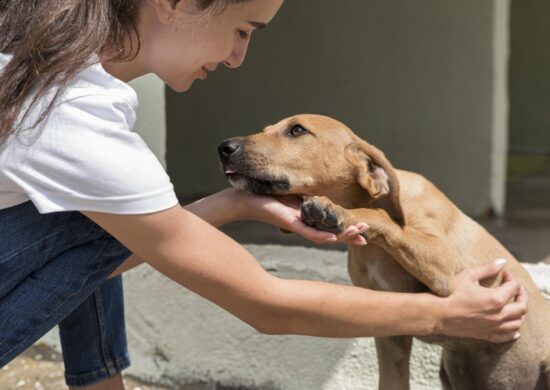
(377, 176)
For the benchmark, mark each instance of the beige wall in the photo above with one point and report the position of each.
(420, 79)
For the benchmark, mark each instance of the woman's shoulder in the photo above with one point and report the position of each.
(92, 91)
(94, 80)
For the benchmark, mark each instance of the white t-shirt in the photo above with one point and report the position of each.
(84, 155)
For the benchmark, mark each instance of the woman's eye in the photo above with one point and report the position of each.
(297, 131)
(244, 34)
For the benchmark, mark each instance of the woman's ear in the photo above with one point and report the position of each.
(165, 10)
(377, 176)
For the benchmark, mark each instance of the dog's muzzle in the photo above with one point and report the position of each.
(244, 175)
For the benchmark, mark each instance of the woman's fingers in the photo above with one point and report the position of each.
(317, 236)
(486, 270)
(354, 234)
(510, 326)
(503, 337)
(354, 231)
(513, 311)
(493, 314)
(286, 212)
(522, 297)
(505, 293)
(496, 297)
(517, 309)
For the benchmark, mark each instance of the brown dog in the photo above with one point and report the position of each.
(418, 240)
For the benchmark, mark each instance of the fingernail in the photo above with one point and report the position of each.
(500, 262)
(517, 336)
(332, 238)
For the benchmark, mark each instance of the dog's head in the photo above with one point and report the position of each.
(309, 155)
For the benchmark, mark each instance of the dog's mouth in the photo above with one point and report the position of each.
(257, 183)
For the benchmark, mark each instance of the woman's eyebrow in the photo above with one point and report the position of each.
(257, 25)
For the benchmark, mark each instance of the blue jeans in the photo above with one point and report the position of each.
(53, 270)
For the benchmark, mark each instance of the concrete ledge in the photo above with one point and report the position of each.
(178, 338)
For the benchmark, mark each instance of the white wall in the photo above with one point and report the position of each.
(151, 116)
(499, 139)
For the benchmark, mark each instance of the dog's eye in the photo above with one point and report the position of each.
(297, 131)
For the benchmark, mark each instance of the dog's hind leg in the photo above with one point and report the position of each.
(393, 362)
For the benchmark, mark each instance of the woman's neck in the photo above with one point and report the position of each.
(125, 70)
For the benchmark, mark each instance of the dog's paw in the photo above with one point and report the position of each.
(319, 212)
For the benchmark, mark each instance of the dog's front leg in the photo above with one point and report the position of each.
(393, 362)
(420, 251)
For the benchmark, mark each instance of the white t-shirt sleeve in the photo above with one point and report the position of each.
(84, 156)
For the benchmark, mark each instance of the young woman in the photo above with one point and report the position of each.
(81, 194)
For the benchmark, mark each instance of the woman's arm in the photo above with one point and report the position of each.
(232, 205)
(196, 255)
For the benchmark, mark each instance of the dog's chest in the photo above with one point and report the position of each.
(374, 268)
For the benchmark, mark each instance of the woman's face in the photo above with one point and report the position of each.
(184, 44)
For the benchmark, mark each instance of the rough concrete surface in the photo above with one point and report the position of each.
(40, 368)
(182, 341)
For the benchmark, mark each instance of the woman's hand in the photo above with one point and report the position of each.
(284, 212)
(493, 314)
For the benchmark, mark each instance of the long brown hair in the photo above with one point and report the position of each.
(52, 41)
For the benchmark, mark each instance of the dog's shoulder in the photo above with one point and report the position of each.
(424, 204)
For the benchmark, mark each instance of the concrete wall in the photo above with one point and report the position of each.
(530, 77)
(424, 80)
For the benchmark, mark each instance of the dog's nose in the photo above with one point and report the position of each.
(229, 147)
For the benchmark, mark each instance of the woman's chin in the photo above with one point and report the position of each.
(181, 86)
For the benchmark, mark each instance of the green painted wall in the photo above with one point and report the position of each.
(530, 77)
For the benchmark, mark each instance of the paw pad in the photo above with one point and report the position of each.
(321, 215)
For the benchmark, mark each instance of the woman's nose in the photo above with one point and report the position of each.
(237, 56)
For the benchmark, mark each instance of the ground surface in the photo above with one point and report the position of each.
(525, 232)
(40, 368)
